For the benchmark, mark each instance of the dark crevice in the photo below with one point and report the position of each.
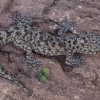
(47, 8)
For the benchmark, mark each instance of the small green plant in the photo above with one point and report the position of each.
(41, 77)
(45, 73)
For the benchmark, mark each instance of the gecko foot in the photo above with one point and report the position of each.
(36, 63)
(19, 21)
(79, 62)
(15, 17)
(65, 27)
(31, 62)
(76, 61)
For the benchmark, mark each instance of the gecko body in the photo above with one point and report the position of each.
(29, 38)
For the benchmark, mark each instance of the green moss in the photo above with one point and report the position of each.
(41, 77)
(45, 72)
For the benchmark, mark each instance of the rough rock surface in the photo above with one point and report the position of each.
(79, 84)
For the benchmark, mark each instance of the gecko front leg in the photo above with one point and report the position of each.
(26, 46)
(5, 74)
(65, 27)
(31, 61)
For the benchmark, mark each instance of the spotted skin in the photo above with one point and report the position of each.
(5, 74)
(29, 38)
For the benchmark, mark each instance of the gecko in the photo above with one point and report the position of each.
(26, 36)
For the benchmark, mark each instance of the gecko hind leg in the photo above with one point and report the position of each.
(79, 61)
(32, 62)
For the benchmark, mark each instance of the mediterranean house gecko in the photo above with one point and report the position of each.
(29, 38)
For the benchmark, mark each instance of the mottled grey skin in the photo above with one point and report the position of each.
(31, 38)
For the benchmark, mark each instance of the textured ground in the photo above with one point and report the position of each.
(79, 84)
